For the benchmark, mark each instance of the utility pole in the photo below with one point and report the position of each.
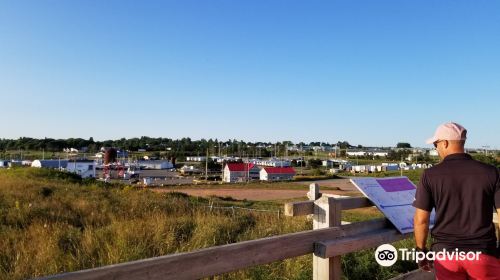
(248, 170)
(401, 166)
(206, 167)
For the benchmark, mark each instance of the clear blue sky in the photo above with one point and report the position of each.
(369, 72)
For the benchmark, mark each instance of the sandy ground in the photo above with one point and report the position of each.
(249, 194)
(341, 184)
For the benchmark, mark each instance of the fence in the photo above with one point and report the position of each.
(234, 208)
(328, 241)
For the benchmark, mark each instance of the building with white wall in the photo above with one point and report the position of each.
(277, 173)
(50, 163)
(196, 158)
(84, 168)
(240, 172)
(155, 164)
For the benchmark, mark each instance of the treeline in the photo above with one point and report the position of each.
(175, 147)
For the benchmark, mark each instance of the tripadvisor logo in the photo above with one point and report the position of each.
(386, 255)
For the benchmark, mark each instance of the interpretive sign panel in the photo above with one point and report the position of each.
(394, 197)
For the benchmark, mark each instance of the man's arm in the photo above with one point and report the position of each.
(421, 227)
(498, 219)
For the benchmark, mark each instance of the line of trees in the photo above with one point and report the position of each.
(176, 147)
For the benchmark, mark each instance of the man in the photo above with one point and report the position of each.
(464, 193)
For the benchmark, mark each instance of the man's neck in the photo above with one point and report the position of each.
(452, 152)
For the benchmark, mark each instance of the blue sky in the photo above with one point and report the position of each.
(369, 72)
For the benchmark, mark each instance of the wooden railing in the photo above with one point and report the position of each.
(328, 241)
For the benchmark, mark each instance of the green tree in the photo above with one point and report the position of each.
(403, 145)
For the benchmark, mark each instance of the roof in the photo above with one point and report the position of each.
(279, 170)
(81, 160)
(239, 166)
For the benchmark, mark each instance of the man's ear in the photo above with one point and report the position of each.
(446, 144)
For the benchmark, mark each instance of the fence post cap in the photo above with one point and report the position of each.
(313, 193)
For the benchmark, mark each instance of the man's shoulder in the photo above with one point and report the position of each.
(467, 163)
(436, 168)
(485, 166)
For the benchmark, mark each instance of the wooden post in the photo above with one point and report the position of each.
(327, 213)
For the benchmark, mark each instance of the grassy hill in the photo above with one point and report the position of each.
(53, 222)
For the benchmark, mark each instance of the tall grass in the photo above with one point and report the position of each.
(53, 222)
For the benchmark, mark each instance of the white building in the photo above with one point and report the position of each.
(359, 168)
(196, 158)
(273, 162)
(327, 163)
(367, 153)
(240, 172)
(433, 153)
(388, 167)
(380, 154)
(277, 173)
(189, 170)
(4, 163)
(51, 163)
(84, 168)
(356, 153)
(155, 164)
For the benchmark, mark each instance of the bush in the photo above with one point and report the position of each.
(318, 172)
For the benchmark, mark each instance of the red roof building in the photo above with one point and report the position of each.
(240, 172)
(239, 166)
(277, 173)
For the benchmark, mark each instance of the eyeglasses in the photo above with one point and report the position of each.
(436, 143)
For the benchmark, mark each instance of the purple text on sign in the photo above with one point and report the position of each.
(396, 185)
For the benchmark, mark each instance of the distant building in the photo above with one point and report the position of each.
(196, 158)
(277, 173)
(433, 153)
(52, 163)
(155, 164)
(333, 162)
(322, 148)
(70, 150)
(274, 162)
(120, 154)
(84, 168)
(4, 163)
(371, 153)
(189, 170)
(380, 154)
(292, 148)
(356, 153)
(240, 172)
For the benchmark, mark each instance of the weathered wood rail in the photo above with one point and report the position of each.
(328, 241)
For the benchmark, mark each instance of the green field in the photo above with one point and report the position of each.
(53, 222)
